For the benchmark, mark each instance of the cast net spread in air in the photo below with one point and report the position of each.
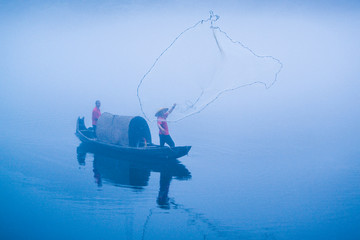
(201, 64)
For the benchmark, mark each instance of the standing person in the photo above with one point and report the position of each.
(96, 114)
(164, 135)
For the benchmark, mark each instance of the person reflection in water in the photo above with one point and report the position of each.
(164, 135)
(95, 115)
(97, 177)
(163, 196)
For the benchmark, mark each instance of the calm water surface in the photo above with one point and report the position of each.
(269, 164)
(239, 187)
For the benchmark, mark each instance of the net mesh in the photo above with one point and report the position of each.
(201, 64)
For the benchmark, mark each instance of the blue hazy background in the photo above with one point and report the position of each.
(281, 163)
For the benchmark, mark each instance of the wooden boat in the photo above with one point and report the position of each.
(132, 138)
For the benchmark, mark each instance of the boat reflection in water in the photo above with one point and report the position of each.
(133, 172)
(130, 172)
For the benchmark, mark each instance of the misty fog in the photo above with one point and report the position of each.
(56, 58)
(262, 160)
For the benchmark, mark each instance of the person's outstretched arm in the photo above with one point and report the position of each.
(172, 108)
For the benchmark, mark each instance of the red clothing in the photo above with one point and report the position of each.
(95, 115)
(161, 120)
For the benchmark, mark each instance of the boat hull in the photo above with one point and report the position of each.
(151, 151)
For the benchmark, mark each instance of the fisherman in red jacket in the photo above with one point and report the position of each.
(164, 135)
(96, 114)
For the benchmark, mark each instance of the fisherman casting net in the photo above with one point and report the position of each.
(201, 64)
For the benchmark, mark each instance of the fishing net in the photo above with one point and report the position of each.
(200, 65)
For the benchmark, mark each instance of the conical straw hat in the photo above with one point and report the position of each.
(161, 111)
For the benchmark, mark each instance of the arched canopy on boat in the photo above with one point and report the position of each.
(123, 130)
(139, 132)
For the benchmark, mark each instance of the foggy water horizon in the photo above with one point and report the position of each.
(277, 163)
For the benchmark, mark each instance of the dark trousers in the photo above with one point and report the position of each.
(94, 127)
(166, 139)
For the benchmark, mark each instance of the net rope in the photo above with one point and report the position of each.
(212, 19)
(199, 221)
